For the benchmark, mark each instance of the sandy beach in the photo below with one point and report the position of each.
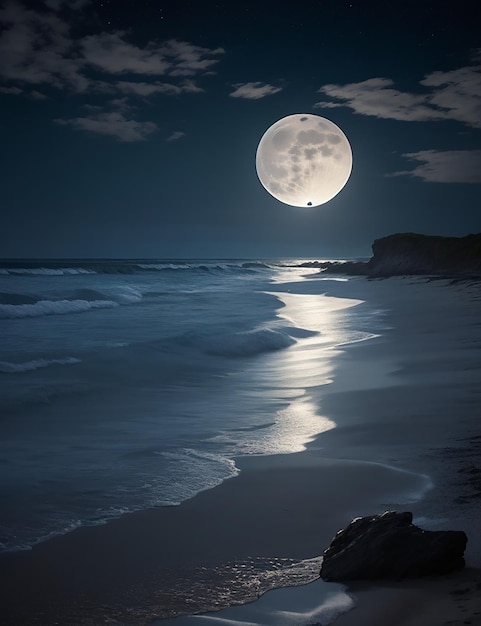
(418, 411)
(406, 407)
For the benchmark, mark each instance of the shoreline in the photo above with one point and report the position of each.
(446, 454)
(273, 508)
(272, 514)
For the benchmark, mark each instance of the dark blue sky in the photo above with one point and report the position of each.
(129, 128)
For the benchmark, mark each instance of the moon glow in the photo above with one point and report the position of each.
(303, 160)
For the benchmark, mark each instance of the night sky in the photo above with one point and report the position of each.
(129, 128)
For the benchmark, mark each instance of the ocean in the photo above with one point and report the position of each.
(130, 384)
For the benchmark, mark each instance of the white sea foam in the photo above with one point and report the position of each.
(202, 469)
(164, 266)
(248, 343)
(124, 294)
(45, 271)
(326, 612)
(52, 307)
(301, 605)
(27, 366)
(356, 337)
(240, 266)
(254, 342)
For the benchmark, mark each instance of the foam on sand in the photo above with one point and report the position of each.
(305, 605)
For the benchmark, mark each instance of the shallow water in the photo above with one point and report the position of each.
(129, 385)
(125, 385)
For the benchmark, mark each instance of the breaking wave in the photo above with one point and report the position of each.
(52, 307)
(120, 295)
(45, 271)
(28, 366)
(127, 267)
(248, 343)
(18, 306)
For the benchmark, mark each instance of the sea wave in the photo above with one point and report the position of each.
(247, 343)
(28, 366)
(121, 294)
(17, 306)
(45, 271)
(18, 298)
(205, 267)
(129, 267)
(52, 307)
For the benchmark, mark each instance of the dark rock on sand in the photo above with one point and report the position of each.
(389, 546)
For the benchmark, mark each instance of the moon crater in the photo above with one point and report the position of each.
(304, 160)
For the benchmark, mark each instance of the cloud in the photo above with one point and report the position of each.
(13, 91)
(188, 59)
(448, 166)
(37, 48)
(16, 91)
(114, 124)
(147, 89)
(121, 105)
(37, 95)
(451, 95)
(73, 5)
(376, 97)
(111, 53)
(178, 134)
(458, 92)
(253, 91)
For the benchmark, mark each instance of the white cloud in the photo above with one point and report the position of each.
(253, 91)
(13, 91)
(376, 97)
(445, 166)
(113, 124)
(147, 89)
(188, 59)
(450, 95)
(111, 53)
(38, 95)
(92, 107)
(37, 48)
(121, 105)
(73, 5)
(176, 135)
(458, 92)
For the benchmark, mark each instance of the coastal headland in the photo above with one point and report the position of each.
(415, 255)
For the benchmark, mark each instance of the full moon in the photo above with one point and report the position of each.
(304, 160)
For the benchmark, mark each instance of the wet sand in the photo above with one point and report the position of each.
(284, 507)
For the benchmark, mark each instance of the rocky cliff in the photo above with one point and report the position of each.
(413, 254)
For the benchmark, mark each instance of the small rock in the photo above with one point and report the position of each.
(390, 546)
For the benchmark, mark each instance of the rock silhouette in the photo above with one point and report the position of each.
(411, 254)
(390, 546)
